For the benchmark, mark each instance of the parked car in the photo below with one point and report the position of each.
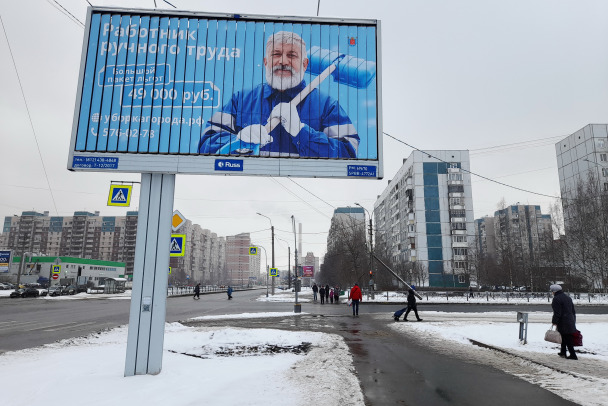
(4, 286)
(25, 292)
(69, 290)
(55, 290)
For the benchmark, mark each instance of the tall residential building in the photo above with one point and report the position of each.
(425, 216)
(346, 220)
(204, 257)
(109, 238)
(83, 235)
(519, 234)
(486, 237)
(239, 264)
(583, 153)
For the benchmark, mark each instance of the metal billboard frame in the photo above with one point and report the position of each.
(226, 164)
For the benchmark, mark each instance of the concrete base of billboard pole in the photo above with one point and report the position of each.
(150, 275)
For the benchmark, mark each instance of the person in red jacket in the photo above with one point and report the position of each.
(356, 297)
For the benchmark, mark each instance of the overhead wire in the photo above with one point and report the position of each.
(473, 173)
(65, 12)
(29, 115)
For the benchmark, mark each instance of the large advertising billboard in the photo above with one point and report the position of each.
(184, 92)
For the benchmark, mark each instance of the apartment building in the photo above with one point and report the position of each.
(425, 216)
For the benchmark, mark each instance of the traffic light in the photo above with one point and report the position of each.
(371, 274)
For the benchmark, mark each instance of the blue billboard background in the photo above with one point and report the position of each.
(152, 83)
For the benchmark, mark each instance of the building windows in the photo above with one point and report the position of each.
(459, 226)
(456, 201)
(459, 238)
(460, 264)
(455, 176)
(605, 187)
(603, 157)
(604, 171)
(461, 279)
(459, 251)
(458, 213)
(455, 189)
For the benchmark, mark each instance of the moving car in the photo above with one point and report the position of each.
(25, 292)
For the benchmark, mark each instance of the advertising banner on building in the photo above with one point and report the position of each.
(308, 271)
(5, 261)
(185, 92)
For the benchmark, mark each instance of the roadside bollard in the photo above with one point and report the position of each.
(522, 318)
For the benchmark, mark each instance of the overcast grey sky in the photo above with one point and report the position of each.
(456, 75)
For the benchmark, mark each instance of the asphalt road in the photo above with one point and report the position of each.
(392, 370)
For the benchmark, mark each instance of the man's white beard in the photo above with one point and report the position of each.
(284, 82)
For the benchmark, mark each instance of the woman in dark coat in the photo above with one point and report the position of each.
(322, 294)
(411, 305)
(564, 318)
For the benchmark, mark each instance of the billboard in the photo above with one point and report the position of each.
(183, 92)
(5, 261)
(308, 271)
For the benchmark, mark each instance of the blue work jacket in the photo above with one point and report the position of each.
(327, 130)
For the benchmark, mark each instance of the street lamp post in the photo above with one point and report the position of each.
(297, 308)
(288, 262)
(265, 256)
(272, 235)
(371, 250)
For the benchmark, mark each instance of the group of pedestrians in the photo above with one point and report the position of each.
(325, 294)
(197, 292)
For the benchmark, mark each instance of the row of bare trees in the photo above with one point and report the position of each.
(574, 252)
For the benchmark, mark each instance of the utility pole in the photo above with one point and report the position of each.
(272, 233)
(289, 267)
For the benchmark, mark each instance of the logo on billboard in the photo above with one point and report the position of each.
(229, 165)
(352, 41)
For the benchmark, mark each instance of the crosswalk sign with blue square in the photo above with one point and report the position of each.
(178, 245)
(120, 195)
(253, 250)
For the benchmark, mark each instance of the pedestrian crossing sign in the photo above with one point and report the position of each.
(56, 268)
(120, 195)
(178, 245)
(274, 272)
(253, 250)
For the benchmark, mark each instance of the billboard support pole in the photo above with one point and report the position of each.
(149, 294)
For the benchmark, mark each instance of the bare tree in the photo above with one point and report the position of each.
(586, 219)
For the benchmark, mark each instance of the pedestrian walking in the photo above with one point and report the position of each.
(331, 295)
(326, 293)
(336, 294)
(356, 296)
(322, 294)
(315, 289)
(229, 292)
(197, 291)
(411, 305)
(564, 318)
(471, 292)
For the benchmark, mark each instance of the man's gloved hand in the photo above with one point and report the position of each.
(290, 119)
(255, 134)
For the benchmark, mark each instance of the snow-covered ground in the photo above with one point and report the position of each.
(225, 365)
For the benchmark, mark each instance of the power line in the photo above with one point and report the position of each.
(473, 173)
(65, 12)
(29, 115)
(298, 197)
(333, 207)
